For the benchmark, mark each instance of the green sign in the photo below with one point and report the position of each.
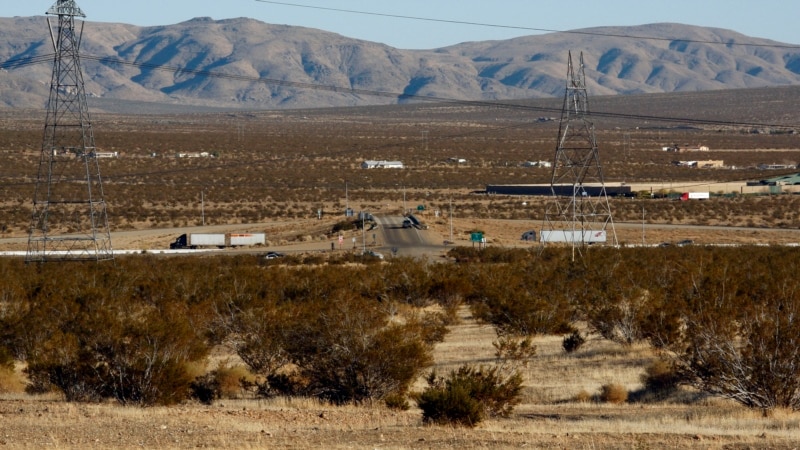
(476, 237)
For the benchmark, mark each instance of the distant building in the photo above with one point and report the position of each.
(105, 154)
(371, 164)
(776, 166)
(710, 164)
(537, 164)
(194, 155)
(676, 148)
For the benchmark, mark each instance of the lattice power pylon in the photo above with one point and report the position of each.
(69, 220)
(579, 213)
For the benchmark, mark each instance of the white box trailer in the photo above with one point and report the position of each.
(206, 240)
(243, 239)
(695, 196)
(219, 240)
(569, 236)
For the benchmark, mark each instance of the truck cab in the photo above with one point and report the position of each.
(181, 241)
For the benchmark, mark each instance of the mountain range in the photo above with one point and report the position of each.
(247, 64)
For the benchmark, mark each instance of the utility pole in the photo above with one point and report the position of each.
(579, 212)
(363, 232)
(69, 220)
(643, 242)
(451, 219)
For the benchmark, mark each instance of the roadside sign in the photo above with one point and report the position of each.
(476, 237)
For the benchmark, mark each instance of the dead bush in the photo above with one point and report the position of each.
(573, 342)
(613, 393)
(583, 396)
(661, 377)
(227, 381)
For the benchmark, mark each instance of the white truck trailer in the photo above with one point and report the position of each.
(585, 236)
(219, 240)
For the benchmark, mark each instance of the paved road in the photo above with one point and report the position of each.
(408, 241)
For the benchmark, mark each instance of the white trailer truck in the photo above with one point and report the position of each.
(585, 236)
(219, 240)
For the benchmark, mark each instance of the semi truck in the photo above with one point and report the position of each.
(695, 196)
(219, 240)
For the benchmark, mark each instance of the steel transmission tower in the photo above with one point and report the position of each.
(579, 213)
(69, 220)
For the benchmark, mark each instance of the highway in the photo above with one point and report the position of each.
(407, 241)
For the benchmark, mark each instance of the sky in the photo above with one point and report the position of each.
(771, 19)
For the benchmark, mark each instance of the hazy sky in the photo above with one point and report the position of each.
(771, 19)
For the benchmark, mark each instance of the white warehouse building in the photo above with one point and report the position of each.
(370, 164)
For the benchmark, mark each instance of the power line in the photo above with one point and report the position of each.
(540, 30)
(17, 63)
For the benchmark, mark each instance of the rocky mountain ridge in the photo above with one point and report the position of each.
(247, 64)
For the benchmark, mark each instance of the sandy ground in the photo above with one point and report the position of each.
(308, 235)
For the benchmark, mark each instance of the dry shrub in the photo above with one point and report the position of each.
(6, 359)
(573, 342)
(613, 393)
(469, 395)
(10, 381)
(660, 377)
(204, 388)
(227, 381)
(397, 402)
(343, 348)
(517, 350)
(583, 396)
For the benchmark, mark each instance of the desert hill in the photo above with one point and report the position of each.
(247, 64)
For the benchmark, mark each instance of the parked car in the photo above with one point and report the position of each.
(529, 236)
(685, 242)
(274, 255)
(374, 254)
